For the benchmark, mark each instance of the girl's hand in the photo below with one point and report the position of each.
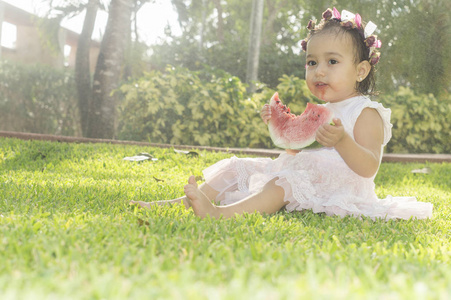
(265, 113)
(330, 135)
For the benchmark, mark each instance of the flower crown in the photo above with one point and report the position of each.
(351, 21)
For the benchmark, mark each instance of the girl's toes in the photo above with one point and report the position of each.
(192, 180)
(190, 191)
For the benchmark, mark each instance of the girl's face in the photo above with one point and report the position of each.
(331, 71)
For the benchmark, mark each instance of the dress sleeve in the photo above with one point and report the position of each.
(385, 114)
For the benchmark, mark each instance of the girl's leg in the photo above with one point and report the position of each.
(269, 200)
(144, 204)
(209, 192)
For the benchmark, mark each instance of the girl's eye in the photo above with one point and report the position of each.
(333, 62)
(311, 63)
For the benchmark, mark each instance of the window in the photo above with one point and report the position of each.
(9, 35)
(67, 50)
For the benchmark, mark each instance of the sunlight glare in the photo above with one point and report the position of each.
(9, 35)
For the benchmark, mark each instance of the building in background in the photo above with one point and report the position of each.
(24, 39)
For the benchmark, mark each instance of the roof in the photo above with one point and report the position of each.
(20, 17)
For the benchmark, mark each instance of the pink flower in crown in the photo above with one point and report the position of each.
(327, 14)
(348, 24)
(374, 58)
(378, 44)
(311, 25)
(358, 20)
(370, 40)
(336, 14)
(373, 42)
(304, 45)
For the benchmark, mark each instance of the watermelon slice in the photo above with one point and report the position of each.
(289, 131)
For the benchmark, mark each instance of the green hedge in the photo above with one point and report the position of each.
(37, 99)
(420, 122)
(200, 108)
(193, 108)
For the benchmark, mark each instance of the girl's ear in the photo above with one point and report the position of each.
(363, 69)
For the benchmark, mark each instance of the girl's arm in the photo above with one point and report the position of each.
(363, 154)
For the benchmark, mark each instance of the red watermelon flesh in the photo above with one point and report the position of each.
(289, 131)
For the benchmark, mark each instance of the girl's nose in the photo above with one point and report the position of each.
(320, 70)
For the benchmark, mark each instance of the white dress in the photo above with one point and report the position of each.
(317, 179)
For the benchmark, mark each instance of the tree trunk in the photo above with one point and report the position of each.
(102, 114)
(181, 11)
(254, 44)
(1, 22)
(200, 45)
(273, 10)
(82, 65)
(132, 45)
(220, 30)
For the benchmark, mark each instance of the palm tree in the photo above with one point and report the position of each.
(102, 107)
(96, 102)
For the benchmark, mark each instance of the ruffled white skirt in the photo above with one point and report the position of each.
(317, 180)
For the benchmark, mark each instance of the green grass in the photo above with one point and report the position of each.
(67, 232)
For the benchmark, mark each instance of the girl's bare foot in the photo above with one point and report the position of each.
(200, 203)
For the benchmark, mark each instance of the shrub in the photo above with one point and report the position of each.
(179, 106)
(37, 99)
(420, 122)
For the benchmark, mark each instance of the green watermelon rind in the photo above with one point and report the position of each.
(315, 144)
(308, 144)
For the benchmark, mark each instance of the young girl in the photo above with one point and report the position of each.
(337, 179)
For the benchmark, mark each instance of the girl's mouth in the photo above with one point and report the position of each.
(321, 89)
(320, 84)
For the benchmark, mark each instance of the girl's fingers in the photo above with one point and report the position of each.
(265, 109)
(320, 138)
(266, 113)
(325, 135)
(329, 135)
(337, 122)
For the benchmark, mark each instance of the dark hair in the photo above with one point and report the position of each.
(368, 85)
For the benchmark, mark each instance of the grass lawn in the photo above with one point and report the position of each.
(67, 232)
